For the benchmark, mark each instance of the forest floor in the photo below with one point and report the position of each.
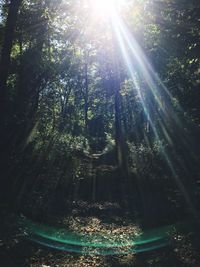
(17, 251)
(111, 222)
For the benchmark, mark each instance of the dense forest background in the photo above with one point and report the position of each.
(97, 110)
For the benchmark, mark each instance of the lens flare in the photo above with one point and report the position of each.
(96, 243)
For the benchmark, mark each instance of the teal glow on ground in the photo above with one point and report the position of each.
(96, 243)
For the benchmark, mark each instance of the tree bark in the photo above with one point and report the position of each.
(4, 72)
(6, 49)
(86, 97)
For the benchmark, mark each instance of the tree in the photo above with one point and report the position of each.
(5, 60)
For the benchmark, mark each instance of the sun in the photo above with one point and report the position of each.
(106, 8)
(103, 7)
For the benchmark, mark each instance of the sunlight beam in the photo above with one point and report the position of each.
(135, 59)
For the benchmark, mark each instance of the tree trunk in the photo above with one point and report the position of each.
(119, 136)
(4, 71)
(6, 50)
(86, 98)
(118, 130)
